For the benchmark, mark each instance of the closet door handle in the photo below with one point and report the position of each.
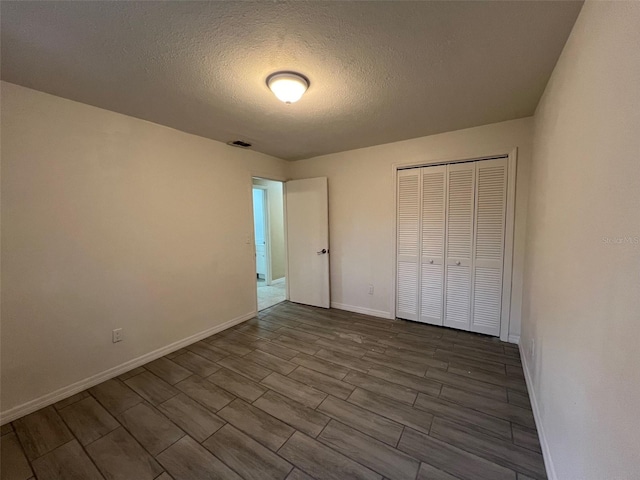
(322, 252)
(458, 262)
(430, 261)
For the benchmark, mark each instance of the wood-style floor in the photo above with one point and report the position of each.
(296, 393)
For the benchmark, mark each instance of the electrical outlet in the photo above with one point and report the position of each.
(117, 335)
(370, 289)
(532, 349)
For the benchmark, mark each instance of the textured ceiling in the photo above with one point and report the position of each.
(380, 71)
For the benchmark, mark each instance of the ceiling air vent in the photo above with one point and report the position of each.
(239, 143)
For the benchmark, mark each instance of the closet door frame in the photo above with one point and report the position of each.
(507, 269)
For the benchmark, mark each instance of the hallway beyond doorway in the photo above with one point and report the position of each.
(268, 221)
(270, 295)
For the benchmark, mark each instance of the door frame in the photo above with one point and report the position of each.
(251, 174)
(511, 153)
(267, 232)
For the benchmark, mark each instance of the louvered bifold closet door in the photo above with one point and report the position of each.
(491, 199)
(459, 245)
(432, 248)
(408, 242)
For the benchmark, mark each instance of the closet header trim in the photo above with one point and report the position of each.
(450, 162)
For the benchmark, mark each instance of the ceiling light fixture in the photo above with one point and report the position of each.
(287, 86)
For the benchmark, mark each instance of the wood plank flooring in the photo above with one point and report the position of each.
(296, 393)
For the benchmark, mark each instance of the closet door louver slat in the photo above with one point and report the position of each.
(459, 245)
(491, 194)
(432, 249)
(408, 241)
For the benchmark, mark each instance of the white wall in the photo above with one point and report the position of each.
(275, 202)
(110, 221)
(362, 207)
(582, 284)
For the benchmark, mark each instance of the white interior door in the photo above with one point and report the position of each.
(307, 213)
(459, 245)
(491, 202)
(432, 247)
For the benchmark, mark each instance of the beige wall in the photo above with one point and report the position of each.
(109, 222)
(275, 201)
(362, 207)
(582, 284)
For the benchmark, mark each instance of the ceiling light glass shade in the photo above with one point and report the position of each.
(288, 87)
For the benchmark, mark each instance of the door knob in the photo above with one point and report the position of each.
(322, 252)
(430, 261)
(458, 262)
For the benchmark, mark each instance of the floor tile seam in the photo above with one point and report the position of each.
(453, 402)
(328, 361)
(72, 403)
(202, 444)
(462, 379)
(479, 368)
(131, 433)
(318, 388)
(522, 446)
(24, 452)
(482, 456)
(83, 447)
(228, 391)
(488, 383)
(313, 438)
(385, 416)
(165, 449)
(464, 422)
(331, 417)
(277, 420)
(369, 437)
(445, 442)
(382, 394)
(242, 374)
(108, 412)
(159, 378)
(206, 407)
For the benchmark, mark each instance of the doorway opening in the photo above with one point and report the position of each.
(268, 225)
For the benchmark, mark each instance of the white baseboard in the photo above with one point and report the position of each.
(278, 281)
(514, 339)
(546, 451)
(65, 392)
(364, 311)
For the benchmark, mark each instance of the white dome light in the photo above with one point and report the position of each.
(287, 86)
